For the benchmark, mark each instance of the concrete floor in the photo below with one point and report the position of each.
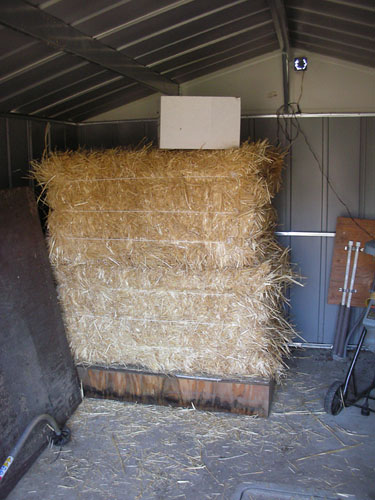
(137, 452)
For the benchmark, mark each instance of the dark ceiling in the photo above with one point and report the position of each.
(72, 59)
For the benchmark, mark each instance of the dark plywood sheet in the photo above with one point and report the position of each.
(248, 397)
(355, 230)
(37, 374)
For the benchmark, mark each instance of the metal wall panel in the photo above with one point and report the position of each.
(305, 304)
(22, 140)
(344, 168)
(109, 135)
(345, 148)
(368, 167)
(38, 139)
(267, 128)
(307, 211)
(58, 137)
(18, 153)
(71, 137)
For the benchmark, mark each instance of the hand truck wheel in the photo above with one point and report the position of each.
(334, 400)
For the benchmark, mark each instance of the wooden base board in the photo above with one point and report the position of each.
(247, 396)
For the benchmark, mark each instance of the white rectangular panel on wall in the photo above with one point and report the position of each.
(199, 122)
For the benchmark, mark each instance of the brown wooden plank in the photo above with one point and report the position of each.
(249, 397)
(349, 229)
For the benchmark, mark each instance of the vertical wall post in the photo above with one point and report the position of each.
(280, 23)
(285, 63)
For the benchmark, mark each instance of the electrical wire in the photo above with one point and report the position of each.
(301, 89)
(284, 117)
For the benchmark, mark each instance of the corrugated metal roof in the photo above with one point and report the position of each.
(342, 29)
(70, 60)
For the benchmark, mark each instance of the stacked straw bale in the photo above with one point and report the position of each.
(166, 260)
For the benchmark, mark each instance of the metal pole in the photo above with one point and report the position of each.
(340, 317)
(345, 321)
(285, 62)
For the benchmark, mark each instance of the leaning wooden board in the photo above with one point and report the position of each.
(37, 374)
(244, 396)
(355, 230)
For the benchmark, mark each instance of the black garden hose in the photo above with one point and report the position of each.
(60, 437)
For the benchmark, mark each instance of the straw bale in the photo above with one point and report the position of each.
(150, 207)
(167, 260)
(209, 322)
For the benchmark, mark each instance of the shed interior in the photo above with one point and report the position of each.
(90, 75)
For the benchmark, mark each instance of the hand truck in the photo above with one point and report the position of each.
(338, 395)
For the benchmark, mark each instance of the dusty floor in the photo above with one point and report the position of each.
(129, 451)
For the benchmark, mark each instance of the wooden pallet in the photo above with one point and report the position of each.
(246, 396)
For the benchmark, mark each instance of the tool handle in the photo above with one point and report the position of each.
(354, 272)
(343, 333)
(336, 339)
(347, 270)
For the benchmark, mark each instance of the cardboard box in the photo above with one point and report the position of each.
(188, 122)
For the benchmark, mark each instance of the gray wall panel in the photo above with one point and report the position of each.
(97, 136)
(307, 181)
(285, 242)
(345, 150)
(22, 140)
(314, 319)
(282, 201)
(132, 134)
(18, 144)
(368, 162)
(58, 136)
(305, 301)
(71, 137)
(152, 132)
(247, 129)
(267, 128)
(38, 139)
(328, 312)
(110, 135)
(344, 168)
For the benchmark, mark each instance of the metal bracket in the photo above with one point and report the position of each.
(353, 249)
